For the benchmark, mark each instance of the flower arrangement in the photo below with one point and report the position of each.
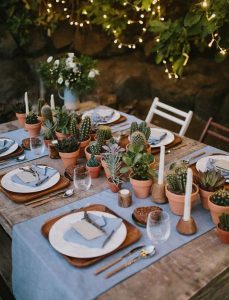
(69, 71)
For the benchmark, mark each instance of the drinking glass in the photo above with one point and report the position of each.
(158, 228)
(37, 145)
(82, 178)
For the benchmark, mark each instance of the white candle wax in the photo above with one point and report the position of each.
(187, 199)
(42, 89)
(161, 165)
(26, 103)
(52, 102)
(124, 192)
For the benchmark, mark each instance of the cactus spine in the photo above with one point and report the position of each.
(106, 131)
(85, 129)
(73, 127)
(46, 113)
(220, 197)
(133, 127)
(177, 178)
(92, 162)
(142, 127)
(138, 138)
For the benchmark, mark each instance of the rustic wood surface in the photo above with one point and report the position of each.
(188, 272)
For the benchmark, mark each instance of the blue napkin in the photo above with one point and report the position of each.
(156, 138)
(5, 145)
(211, 166)
(43, 174)
(97, 116)
(110, 226)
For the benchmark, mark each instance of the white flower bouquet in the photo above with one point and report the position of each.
(69, 71)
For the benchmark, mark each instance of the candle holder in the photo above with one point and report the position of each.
(158, 193)
(124, 198)
(53, 152)
(186, 227)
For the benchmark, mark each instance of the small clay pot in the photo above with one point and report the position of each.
(223, 235)
(33, 129)
(141, 187)
(88, 154)
(113, 187)
(216, 210)
(21, 119)
(204, 195)
(94, 171)
(69, 159)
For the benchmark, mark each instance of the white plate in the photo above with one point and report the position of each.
(11, 186)
(114, 118)
(169, 138)
(11, 149)
(56, 237)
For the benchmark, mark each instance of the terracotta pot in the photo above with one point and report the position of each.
(94, 171)
(223, 235)
(204, 197)
(176, 202)
(41, 119)
(88, 155)
(47, 142)
(148, 149)
(33, 129)
(141, 187)
(83, 145)
(106, 170)
(124, 140)
(60, 136)
(69, 159)
(216, 210)
(21, 119)
(113, 187)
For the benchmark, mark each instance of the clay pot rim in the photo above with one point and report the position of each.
(74, 152)
(201, 188)
(182, 195)
(141, 180)
(21, 114)
(88, 140)
(220, 229)
(93, 168)
(38, 123)
(215, 205)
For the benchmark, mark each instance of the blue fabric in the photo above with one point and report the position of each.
(156, 140)
(5, 145)
(39, 272)
(18, 135)
(110, 226)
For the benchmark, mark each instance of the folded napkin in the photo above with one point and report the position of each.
(212, 165)
(110, 225)
(102, 115)
(156, 137)
(5, 145)
(41, 175)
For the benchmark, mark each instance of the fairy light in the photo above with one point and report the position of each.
(205, 4)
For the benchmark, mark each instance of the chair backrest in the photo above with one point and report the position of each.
(209, 130)
(154, 109)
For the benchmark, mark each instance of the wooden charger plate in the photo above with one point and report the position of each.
(175, 142)
(133, 235)
(120, 120)
(17, 152)
(23, 198)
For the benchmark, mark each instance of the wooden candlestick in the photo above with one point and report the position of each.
(186, 227)
(124, 198)
(158, 193)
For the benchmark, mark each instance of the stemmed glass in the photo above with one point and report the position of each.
(37, 145)
(81, 178)
(158, 226)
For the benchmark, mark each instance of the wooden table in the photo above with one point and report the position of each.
(198, 270)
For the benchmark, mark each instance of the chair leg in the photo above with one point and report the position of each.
(205, 129)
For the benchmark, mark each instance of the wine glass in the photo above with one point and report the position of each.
(158, 226)
(81, 178)
(37, 145)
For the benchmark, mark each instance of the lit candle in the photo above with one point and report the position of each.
(26, 104)
(187, 199)
(52, 102)
(161, 166)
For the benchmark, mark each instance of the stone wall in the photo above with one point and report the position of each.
(128, 80)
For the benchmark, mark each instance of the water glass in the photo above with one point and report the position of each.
(82, 178)
(37, 145)
(158, 231)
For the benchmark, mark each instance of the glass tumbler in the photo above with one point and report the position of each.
(82, 178)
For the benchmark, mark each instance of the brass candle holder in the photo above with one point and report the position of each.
(186, 227)
(158, 193)
(124, 198)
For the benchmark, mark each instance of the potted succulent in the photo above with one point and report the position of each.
(32, 124)
(138, 138)
(46, 113)
(48, 132)
(209, 182)
(84, 133)
(62, 123)
(93, 166)
(68, 150)
(175, 188)
(223, 228)
(96, 146)
(41, 103)
(105, 131)
(19, 109)
(218, 204)
(137, 164)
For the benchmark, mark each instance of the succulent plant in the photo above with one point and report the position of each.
(85, 129)
(62, 120)
(113, 162)
(224, 222)
(68, 145)
(112, 148)
(73, 126)
(142, 127)
(41, 103)
(138, 138)
(220, 197)
(105, 131)
(46, 113)
(48, 132)
(177, 178)
(96, 147)
(133, 127)
(210, 180)
(32, 119)
(93, 162)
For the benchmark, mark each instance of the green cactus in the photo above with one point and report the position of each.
(105, 130)
(32, 119)
(41, 103)
(94, 148)
(73, 126)
(224, 222)
(220, 197)
(142, 127)
(85, 129)
(92, 162)
(138, 138)
(133, 127)
(177, 178)
(46, 113)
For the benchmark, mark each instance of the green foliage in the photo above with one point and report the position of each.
(113, 162)
(224, 222)
(68, 145)
(220, 197)
(73, 126)
(85, 129)
(93, 162)
(176, 178)
(105, 131)
(138, 138)
(142, 127)
(48, 130)
(46, 112)
(31, 119)
(210, 180)
(62, 120)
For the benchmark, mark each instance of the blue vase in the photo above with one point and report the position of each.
(71, 99)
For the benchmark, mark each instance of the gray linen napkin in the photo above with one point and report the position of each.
(5, 145)
(156, 138)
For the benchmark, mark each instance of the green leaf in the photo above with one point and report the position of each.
(127, 160)
(191, 19)
(157, 26)
(125, 170)
(159, 58)
(137, 158)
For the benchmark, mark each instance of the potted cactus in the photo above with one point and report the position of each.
(209, 182)
(142, 127)
(41, 103)
(93, 166)
(138, 138)
(62, 123)
(32, 124)
(48, 132)
(46, 113)
(218, 203)
(105, 131)
(19, 109)
(84, 133)
(137, 165)
(95, 147)
(175, 188)
(223, 228)
(68, 150)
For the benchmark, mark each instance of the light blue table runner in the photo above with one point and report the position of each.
(39, 272)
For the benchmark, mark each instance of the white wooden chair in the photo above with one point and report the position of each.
(154, 109)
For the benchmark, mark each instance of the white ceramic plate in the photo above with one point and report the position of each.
(169, 138)
(56, 237)
(114, 118)
(11, 149)
(11, 186)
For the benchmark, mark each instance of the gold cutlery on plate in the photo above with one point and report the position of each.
(187, 161)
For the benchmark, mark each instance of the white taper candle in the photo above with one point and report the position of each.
(26, 103)
(42, 89)
(187, 199)
(52, 102)
(161, 165)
